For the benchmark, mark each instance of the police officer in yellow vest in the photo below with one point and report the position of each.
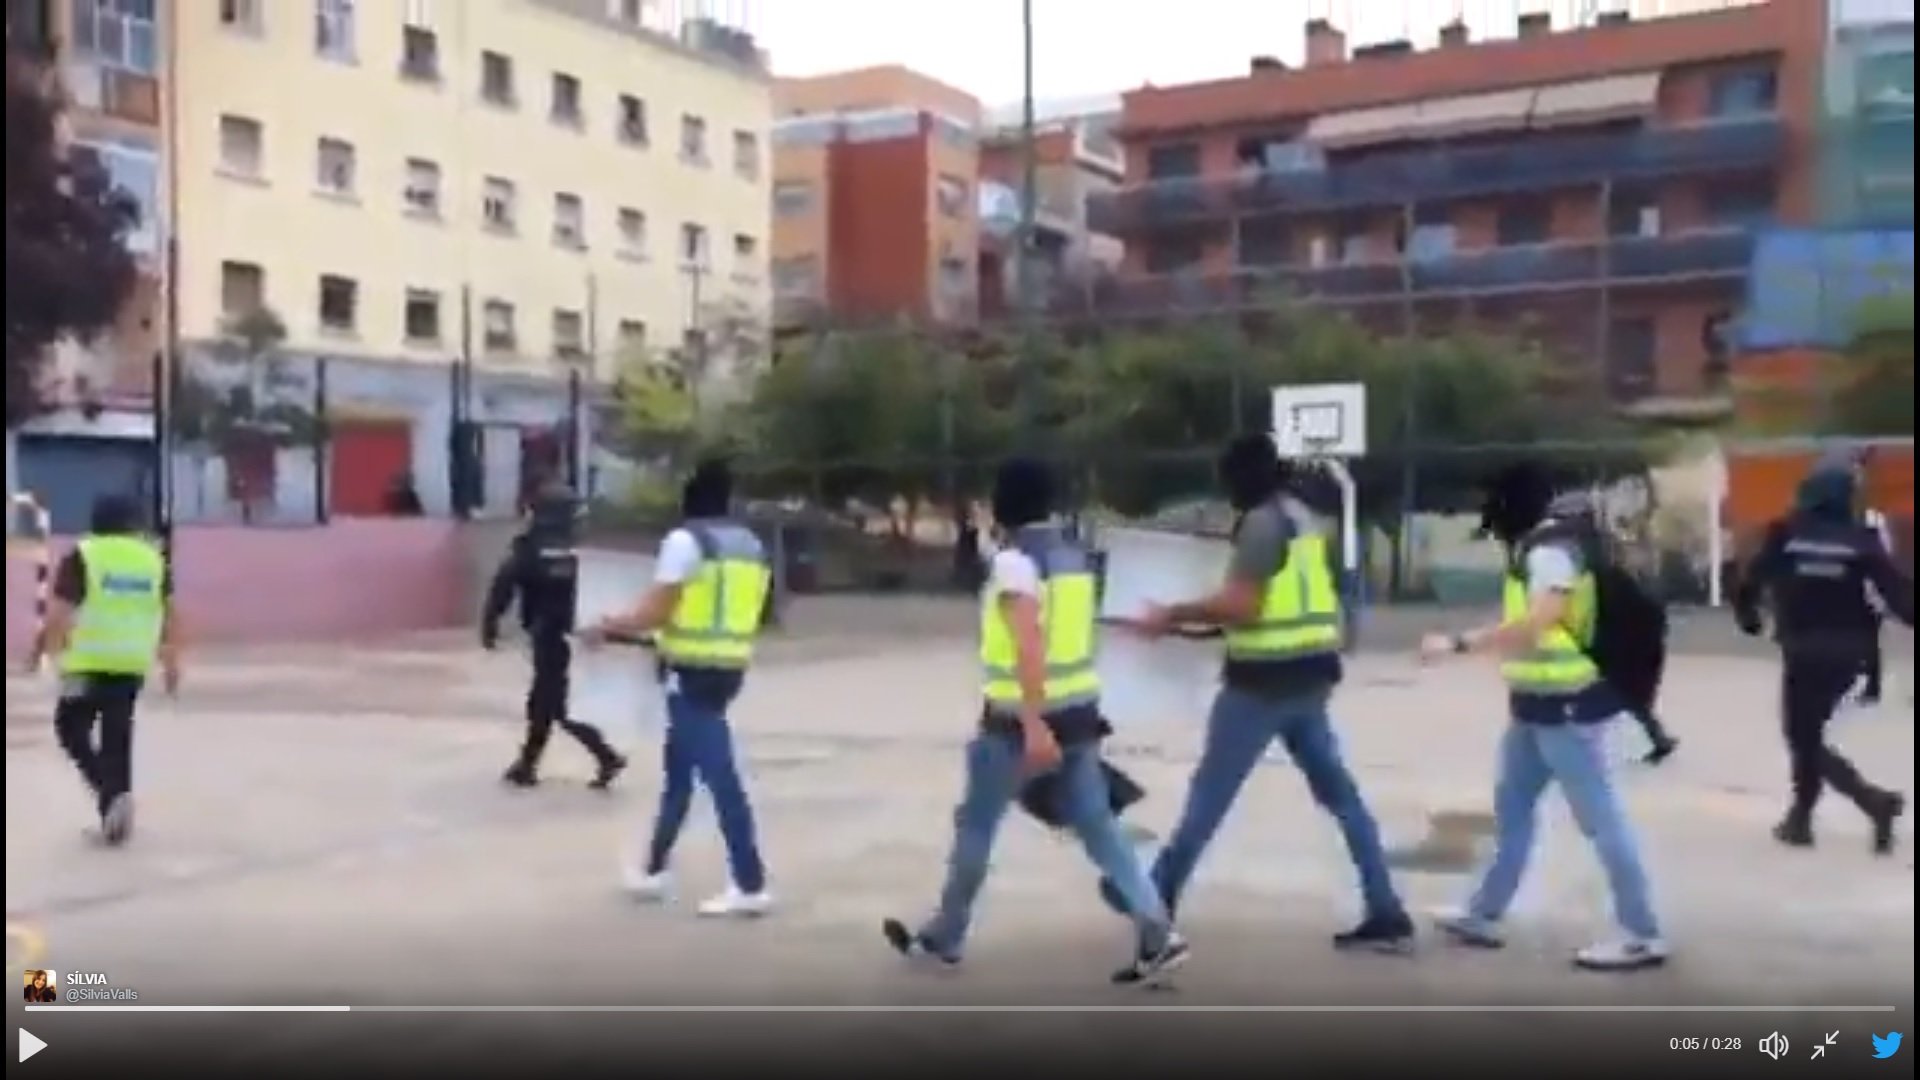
(1285, 627)
(110, 621)
(1561, 709)
(1040, 713)
(705, 609)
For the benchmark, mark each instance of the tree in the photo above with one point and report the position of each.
(1875, 395)
(68, 269)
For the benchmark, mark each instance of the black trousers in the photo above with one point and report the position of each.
(1811, 688)
(547, 703)
(94, 721)
(1871, 691)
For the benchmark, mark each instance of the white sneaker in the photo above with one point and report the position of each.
(651, 888)
(737, 905)
(1472, 930)
(117, 823)
(1629, 954)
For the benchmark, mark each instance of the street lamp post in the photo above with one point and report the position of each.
(1030, 380)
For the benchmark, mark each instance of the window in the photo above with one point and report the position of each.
(419, 54)
(243, 289)
(569, 221)
(1716, 340)
(117, 34)
(241, 15)
(133, 167)
(951, 196)
(566, 100)
(423, 315)
(241, 140)
(746, 258)
(1523, 221)
(1633, 213)
(497, 204)
(1631, 357)
(798, 276)
(1171, 162)
(569, 334)
(633, 233)
(632, 11)
(496, 326)
(423, 188)
(1354, 241)
(792, 198)
(1740, 205)
(693, 140)
(339, 297)
(633, 337)
(1170, 255)
(633, 120)
(746, 155)
(496, 78)
(1742, 93)
(336, 167)
(333, 29)
(693, 245)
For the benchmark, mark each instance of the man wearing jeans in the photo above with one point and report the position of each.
(1561, 709)
(1285, 626)
(707, 603)
(1038, 635)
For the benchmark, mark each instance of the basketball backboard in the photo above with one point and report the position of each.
(1321, 420)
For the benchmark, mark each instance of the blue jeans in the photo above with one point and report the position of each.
(1239, 730)
(699, 746)
(994, 778)
(1531, 756)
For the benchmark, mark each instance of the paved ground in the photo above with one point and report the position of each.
(324, 825)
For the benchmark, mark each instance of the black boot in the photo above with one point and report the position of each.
(1887, 810)
(609, 761)
(521, 774)
(611, 766)
(1796, 829)
(1663, 747)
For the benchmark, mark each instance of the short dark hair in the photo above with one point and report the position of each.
(709, 491)
(115, 514)
(1022, 492)
(1251, 469)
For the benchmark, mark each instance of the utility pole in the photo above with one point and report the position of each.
(1030, 379)
(694, 339)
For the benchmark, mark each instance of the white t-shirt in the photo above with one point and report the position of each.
(680, 557)
(1013, 571)
(1550, 569)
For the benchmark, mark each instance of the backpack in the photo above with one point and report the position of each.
(1629, 643)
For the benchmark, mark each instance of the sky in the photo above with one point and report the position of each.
(1100, 47)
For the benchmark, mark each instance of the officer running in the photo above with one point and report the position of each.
(542, 571)
(1285, 626)
(110, 619)
(1822, 566)
(1041, 714)
(1561, 708)
(705, 609)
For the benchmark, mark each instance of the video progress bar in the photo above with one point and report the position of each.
(1009, 1009)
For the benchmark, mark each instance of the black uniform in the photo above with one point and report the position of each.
(542, 571)
(1816, 566)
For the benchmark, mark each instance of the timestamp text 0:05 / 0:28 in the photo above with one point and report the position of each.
(1706, 1042)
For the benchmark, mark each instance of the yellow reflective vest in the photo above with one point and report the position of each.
(718, 616)
(1557, 663)
(1299, 611)
(1069, 600)
(117, 629)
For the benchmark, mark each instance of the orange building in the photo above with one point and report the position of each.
(875, 212)
(1602, 184)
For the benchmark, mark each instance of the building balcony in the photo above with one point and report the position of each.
(1414, 176)
(1623, 262)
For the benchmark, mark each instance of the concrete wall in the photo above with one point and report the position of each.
(350, 580)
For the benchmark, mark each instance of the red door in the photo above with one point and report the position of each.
(369, 460)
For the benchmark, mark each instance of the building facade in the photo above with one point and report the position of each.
(1076, 159)
(445, 199)
(875, 206)
(1601, 184)
(1868, 112)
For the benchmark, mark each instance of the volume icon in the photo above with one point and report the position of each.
(1774, 1046)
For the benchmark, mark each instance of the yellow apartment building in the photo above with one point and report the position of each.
(356, 166)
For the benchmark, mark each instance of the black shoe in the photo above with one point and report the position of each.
(1379, 933)
(610, 767)
(911, 945)
(1892, 805)
(1148, 968)
(521, 775)
(116, 821)
(1116, 903)
(1795, 831)
(1662, 750)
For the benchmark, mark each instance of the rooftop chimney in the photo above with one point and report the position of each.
(1535, 24)
(1265, 63)
(1454, 34)
(1325, 44)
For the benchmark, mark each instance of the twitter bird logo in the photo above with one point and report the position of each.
(1885, 1046)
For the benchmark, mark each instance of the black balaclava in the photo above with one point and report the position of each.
(708, 492)
(1517, 501)
(1251, 471)
(1828, 494)
(555, 514)
(114, 515)
(1022, 494)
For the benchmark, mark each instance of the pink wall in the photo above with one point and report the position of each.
(346, 580)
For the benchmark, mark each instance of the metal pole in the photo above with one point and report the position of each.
(322, 442)
(1023, 268)
(458, 437)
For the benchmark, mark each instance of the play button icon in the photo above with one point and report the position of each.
(30, 1044)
